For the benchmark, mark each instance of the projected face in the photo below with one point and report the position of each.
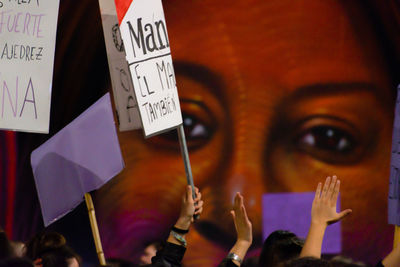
(275, 95)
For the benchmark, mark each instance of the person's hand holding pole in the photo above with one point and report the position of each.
(189, 208)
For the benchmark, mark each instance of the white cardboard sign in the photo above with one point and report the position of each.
(148, 53)
(124, 96)
(27, 46)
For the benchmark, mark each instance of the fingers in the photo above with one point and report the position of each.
(326, 187)
(189, 195)
(198, 196)
(233, 215)
(336, 192)
(198, 203)
(331, 187)
(244, 214)
(236, 201)
(318, 191)
(196, 192)
(239, 209)
(198, 207)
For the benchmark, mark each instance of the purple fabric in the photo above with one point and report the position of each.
(292, 212)
(394, 186)
(80, 158)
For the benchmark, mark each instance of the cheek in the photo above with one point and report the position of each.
(364, 182)
(364, 188)
(154, 178)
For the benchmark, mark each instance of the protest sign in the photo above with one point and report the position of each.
(144, 32)
(124, 97)
(27, 45)
(78, 159)
(394, 181)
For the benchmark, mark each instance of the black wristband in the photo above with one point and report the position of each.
(179, 231)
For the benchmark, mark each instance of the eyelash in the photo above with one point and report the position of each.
(199, 128)
(328, 140)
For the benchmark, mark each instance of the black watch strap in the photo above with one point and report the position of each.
(179, 231)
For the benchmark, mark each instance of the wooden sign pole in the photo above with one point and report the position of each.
(95, 229)
(396, 239)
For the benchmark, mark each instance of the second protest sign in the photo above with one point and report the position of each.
(148, 53)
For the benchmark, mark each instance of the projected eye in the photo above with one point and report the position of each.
(328, 139)
(328, 143)
(198, 124)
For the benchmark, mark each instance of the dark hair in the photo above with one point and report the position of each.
(58, 257)
(306, 262)
(43, 242)
(250, 262)
(280, 246)
(52, 248)
(114, 262)
(16, 262)
(6, 250)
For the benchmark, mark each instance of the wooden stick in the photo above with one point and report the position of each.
(396, 239)
(95, 229)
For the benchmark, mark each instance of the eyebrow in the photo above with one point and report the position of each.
(203, 75)
(279, 123)
(322, 89)
(330, 89)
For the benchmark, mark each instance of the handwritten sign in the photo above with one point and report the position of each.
(124, 97)
(27, 45)
(144, 32)
(394, 181)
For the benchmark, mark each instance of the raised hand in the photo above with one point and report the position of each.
(323, 213)
(323, 209)
(242, 223)
(189, 208)
(243, 231)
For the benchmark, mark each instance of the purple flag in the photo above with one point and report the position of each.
(292, 212)
(394, 200)
(80, 158)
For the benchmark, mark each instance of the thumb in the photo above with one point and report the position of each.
(188, 193)
(233, 215)
(344, 213)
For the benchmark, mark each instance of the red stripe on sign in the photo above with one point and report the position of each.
(122, 7)
(3, 179)
(11, 180)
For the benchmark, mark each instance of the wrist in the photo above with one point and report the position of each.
(178, 238)
(235, 258)
(183, 223)
(319, 224)
(243, 243)
(318, 227)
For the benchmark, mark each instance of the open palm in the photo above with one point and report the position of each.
(323, 209)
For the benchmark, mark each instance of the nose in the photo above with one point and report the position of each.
(241, 171)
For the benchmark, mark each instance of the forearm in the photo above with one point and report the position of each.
(313, 243)
(171, 255)
(182, 223)
(393, 259)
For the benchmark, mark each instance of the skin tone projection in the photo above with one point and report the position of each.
(274, 95)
